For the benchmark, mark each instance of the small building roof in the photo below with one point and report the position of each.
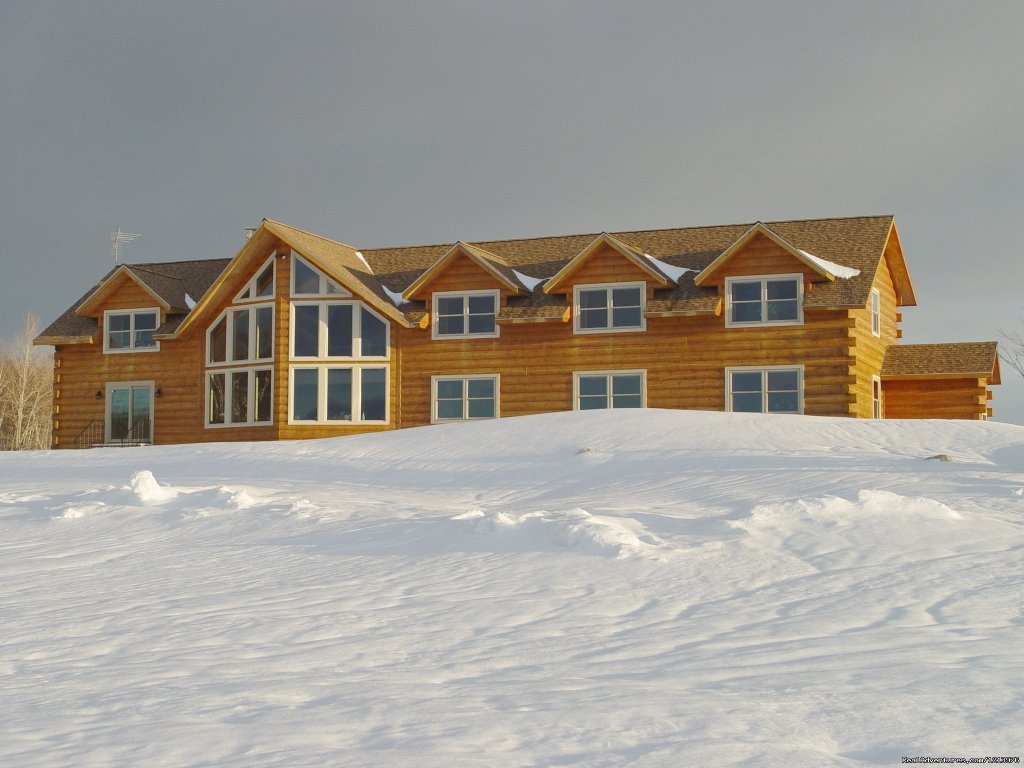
(964, 359)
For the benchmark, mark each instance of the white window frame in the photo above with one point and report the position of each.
(357, 331)
(251, 285)
(608, 288)
(877, 406)
(341, 293)
(465, 296)
(764, 369)
(131, 348)
(763, 280)
(107, 399)
(228, 392)
(465, 379)
(876, 312)
(229, 329)
(357, 394)
(577, 375)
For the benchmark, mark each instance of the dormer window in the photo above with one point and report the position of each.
(608, 308)
(130, 331)
(466, 314)
(764, 300)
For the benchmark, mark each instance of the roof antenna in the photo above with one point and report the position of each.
(119, 237)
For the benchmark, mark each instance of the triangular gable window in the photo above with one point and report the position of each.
(261, 286)
(309, 281)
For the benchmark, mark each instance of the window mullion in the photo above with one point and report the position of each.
(357, 330)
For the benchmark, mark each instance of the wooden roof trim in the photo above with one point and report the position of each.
(627, 251)
(95, 300)
(746, 237)
(484, 259)
(905, 296)
(348, 277)
(53, 341)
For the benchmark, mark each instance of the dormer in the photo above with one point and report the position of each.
(464, 289)
(762, 279)
(610, 283)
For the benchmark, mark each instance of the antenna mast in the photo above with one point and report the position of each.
(119, 237)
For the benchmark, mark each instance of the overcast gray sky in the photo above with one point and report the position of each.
(384, 123)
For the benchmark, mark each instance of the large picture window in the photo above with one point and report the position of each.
(239, 397)
(606, 308)
(261, 286)
(130, 330)
(469, 314)
(776, 389)
(241, 334)
(337, 329)
(457, 398)
(327, 394)
(609, 389)
(767, 300)
(309, 281)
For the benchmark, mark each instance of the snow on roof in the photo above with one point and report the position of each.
(396, 298)
(359, 255)
(831, 267)
(190, 302)
(673, 273)
(530, 283)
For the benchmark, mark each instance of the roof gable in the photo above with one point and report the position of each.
(93, 303)
(492, 264)
(602, 241)
(827, 269)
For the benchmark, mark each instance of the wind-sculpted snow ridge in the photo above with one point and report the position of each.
(646, 588)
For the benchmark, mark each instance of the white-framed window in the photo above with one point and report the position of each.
(764, 300)
(324, 330)
(876, 397)
(876, 313)
(609, 389)
(307, 280)
(609, 308)
(465, 314)
(130, 330)
(335, 394)
(261, 286)
(237, 397)
(458, 398)
(241, 334)
(769, 389)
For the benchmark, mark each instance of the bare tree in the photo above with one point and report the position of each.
(1013, 353)
(26, 392)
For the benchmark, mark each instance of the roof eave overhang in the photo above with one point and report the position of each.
(55, 341)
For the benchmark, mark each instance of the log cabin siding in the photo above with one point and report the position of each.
(868, 349)
(936, 398)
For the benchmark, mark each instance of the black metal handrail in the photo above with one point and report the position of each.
(91, 435)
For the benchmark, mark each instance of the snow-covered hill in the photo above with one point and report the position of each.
(650, 588)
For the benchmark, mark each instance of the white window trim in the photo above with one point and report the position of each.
(729, 371)
(250, 398)
(357, 332)
(322, 286)
(435, 325)
(357, 394)
(875, 306)
(608, 288)
(251, 285)
(131, 348)
(642, 373)
(877, 406)
(229, 343)
(799, 278)
(435, 419)
(111, 386)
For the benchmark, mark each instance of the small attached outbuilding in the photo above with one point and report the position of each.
(939, 381)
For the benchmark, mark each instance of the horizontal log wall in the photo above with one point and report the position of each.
(924, 398)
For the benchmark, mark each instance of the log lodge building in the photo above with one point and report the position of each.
(300, 336)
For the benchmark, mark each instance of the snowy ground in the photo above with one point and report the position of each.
(595, 589)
